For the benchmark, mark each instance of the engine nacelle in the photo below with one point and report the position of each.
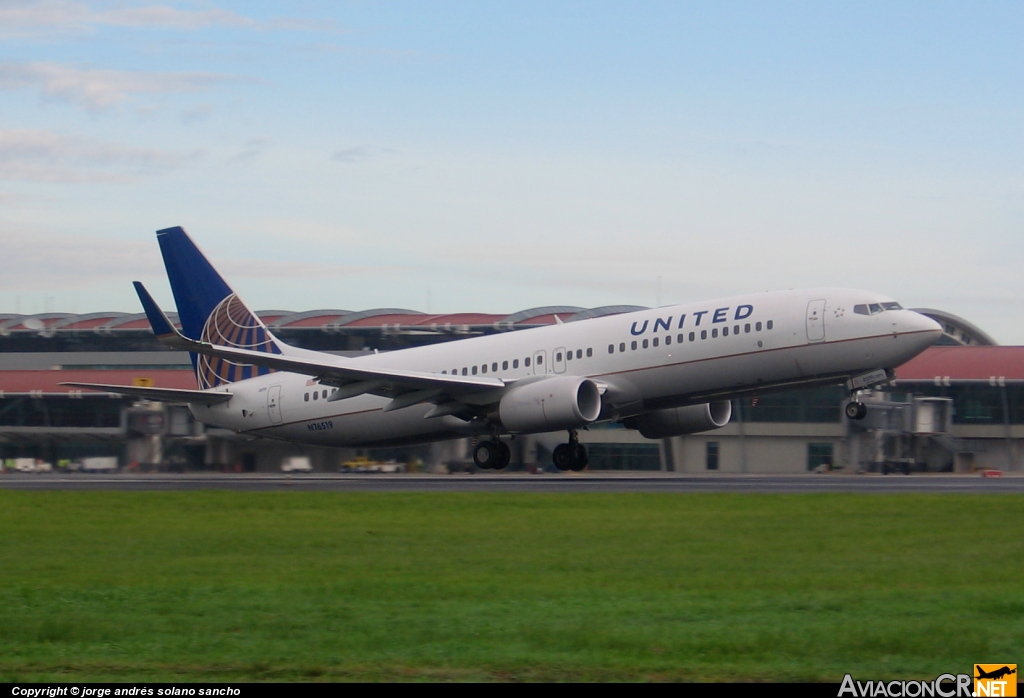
(661, 424)
(551, 404)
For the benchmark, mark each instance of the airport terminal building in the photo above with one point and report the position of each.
(958, 406)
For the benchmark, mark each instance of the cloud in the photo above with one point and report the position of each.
(32, 19)
(252, 149)
(44, 156)
(358, 153)
(33, 259)
(350, 155)
(97, 88)
(198, 113)
(288, 269)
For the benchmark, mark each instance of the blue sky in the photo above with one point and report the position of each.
(477, 156)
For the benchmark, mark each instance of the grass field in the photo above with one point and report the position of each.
(320, 586)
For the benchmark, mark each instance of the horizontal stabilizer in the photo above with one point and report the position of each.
(157, 394)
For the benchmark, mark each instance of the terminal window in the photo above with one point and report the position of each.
(818, 455)
(712, 455)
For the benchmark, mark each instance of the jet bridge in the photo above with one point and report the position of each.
(907, 433)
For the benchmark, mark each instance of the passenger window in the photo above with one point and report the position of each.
(494, 367)
(668, 340)
(568, 355)
(444, 372)
(746, 328)
(611, 348)
(735, 329)
(654, 342)
(464, 370)
(579, 353)
(504, 365)
(692, 335)
(306, 397)
(474, 370)
(679, 338)
(633, 345)
(455, 371)
(316, 395)
(325, 395)
(769, 324)
(703, 334)
(757, 326)
(483, 369)
(515, 363)
(725, 331)
(622, 346)
(714, 333)
(861, 309)
(645, 344)
(526, 361)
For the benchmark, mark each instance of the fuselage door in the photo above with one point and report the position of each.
(540, 363)
(816, 321)
(274, 403)
(559, 362)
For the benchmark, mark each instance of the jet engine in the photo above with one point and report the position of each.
(661, 424)
(562, 402)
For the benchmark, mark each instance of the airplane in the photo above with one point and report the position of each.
(995, 673)
(665, 371)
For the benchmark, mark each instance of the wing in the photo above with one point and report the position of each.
(158, 394)
(406, 388)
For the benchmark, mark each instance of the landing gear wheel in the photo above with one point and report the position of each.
(581, 460)
(486, 455)
(563, 456)
(856, 410)
(504, 456)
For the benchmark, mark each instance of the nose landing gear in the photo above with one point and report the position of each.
(855, 409)
(571, 456)
(492, 455)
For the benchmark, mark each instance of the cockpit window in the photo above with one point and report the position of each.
(875, 308)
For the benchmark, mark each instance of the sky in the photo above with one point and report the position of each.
(492, 157)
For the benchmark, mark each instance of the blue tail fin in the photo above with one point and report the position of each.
(211, 312)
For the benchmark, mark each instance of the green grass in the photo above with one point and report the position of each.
(319, 586)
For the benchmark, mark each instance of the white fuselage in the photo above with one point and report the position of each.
(645, 360)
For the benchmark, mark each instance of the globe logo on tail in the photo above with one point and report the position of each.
(231, 324)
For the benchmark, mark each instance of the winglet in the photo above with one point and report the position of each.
(162, 327)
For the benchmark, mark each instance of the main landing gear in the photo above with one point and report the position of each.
(570, 456)
(491, 455)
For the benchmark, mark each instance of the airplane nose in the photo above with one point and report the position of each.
(925, 325)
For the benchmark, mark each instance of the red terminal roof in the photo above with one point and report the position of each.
(976, 363)
(315, 321)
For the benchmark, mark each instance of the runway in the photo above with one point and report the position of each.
(520, 482)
